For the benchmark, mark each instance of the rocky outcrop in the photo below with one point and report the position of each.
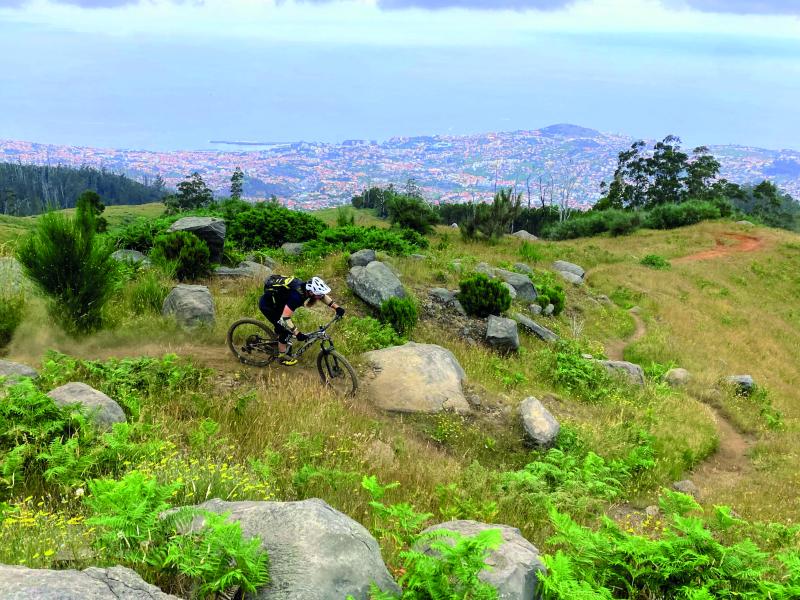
(103, 410)
(447, 298)
(362, 258)
(293, 248)
(246, 270)
(13, 371)
(191, 305)
(631, 372)
(131, 256)
(501, 333)
(539, 331)
(540, 426)
(570, 271)
(375, 283)
(515, 564)
(521, 283)
(209, 229)
(524, 235)
(677, 377)
(315, 552)
(112, 583)
(742, 384)
(415, 378)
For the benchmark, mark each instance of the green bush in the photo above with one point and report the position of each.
(670, 216)
(183, 251)
(268, 225)
(362, 334)
(12, 309)
(410, 212)
(481, 296)
(73, 267)
(617, 222)
(655, 261)
(401, 314)
(140, 234)
(399, 242)
(345, 216)
(549, 292)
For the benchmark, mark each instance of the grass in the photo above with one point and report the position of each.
(732, 315)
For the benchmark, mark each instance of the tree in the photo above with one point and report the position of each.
(495, 219)
(701, 174)
(767, 203)
(192, 193)
(666, 169)
(411, 212)
(237, 183)
(90, 206)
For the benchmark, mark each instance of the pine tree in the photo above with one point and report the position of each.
(237, 184)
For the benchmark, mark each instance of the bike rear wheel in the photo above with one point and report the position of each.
(253, 342)
(336, 373)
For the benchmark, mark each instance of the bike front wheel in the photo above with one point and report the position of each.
(336, 373)
(252, 342)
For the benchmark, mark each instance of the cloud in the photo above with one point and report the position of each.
(476, 4)
(743, 7)
(79, 3)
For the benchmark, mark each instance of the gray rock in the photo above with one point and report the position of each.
(687, 487)
(511, 290)
(515, 564)
(524, 235)
(418, 256)
(746, 223)
(379, 454)
(454, 225)
(523, 268)
(267, 261)
(293, 248)
(415, 378)
(13, 371)
(522, 284)
(191, 305)
(743, 384)
(246, 269)
(315, 552)
(209, 229)
(535, 309)
(112, 583)
(457, 266)
(447, 297)
(540, 426)
(633, 373)
(603, 299)
(548, 310)
(103, 410)
(677, 377)
(362, 258)
(484, 268)
(131, 256)
(12, 276)
(568, 267)
(571, 277)
(375, 283)
(542, 333)
(501, 333)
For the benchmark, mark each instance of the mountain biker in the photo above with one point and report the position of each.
(284, 295)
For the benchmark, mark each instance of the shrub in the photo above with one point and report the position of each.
(401, 314)
(269, 225)
(73, 267)
(345, 216)
(410, 212)
(12, 309)
(147, 293)
(655, 261)
(362, 334)
(622, 223)
(530, 252)
(185, 252)
(669, 216)
(398, 242)
(551, 293)
(481, 296)
(594, 223)
(140, 234)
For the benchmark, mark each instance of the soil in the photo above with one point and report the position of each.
(616, 349)
(743, 243)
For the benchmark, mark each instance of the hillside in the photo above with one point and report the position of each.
(727, 305)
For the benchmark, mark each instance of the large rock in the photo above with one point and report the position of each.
(524, 235)
(630, 371)
(571, 277)
(416, 378)
(315, 552)
(362, 258)
(131, 256)
(540, 426)
(511, 290)
(485, 268)
(12, 277)
(103, 410)
(246, 269)
(191, 305)
(742, 384)
(522, 284)
(112, 583)
(563, 266)
(542, 333)
(515, 564)
(209, 229)
(448, 298)
(293, 248)
(677, 377)
(12, 371)
(523, 268)
(502, 333)
(375, 283)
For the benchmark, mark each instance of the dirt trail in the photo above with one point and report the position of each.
(616, 349)
(744, 243)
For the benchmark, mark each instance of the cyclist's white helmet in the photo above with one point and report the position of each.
(317, 287)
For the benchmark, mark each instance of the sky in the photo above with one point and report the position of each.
(176, 74)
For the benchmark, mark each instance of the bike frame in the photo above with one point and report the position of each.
(320, 335)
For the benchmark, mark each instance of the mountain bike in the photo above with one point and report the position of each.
(255, 343)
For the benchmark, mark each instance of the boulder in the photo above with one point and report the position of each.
(524, 235)
(548, 310)
(293, 248)
(571, 277)
(677, 377)
(267, 261)
(632, 372)
(103, 410)
(742, 384)
(515, 564)
(379, 455)
(375, 283)
(540, 426)
(484, 268)
(131, 256)
(542, 333)
(501, 333)
(523, 268)
(563, 266)
(418, 256)
(246, 269)
(12, 371)
(315, 552)
(416, 378)
(511, 290)
(209, 229)
(522, 284)
(448, 298)
(454, 225)
(535, 309)
(191, 305)
(362, 258)
(94, 583)
(686, 486)
(12, 277)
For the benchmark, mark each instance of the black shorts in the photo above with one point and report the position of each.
(272, 313)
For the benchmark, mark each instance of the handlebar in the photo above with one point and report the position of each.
(323, 328)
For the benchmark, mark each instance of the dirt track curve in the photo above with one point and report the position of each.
(743, 243)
